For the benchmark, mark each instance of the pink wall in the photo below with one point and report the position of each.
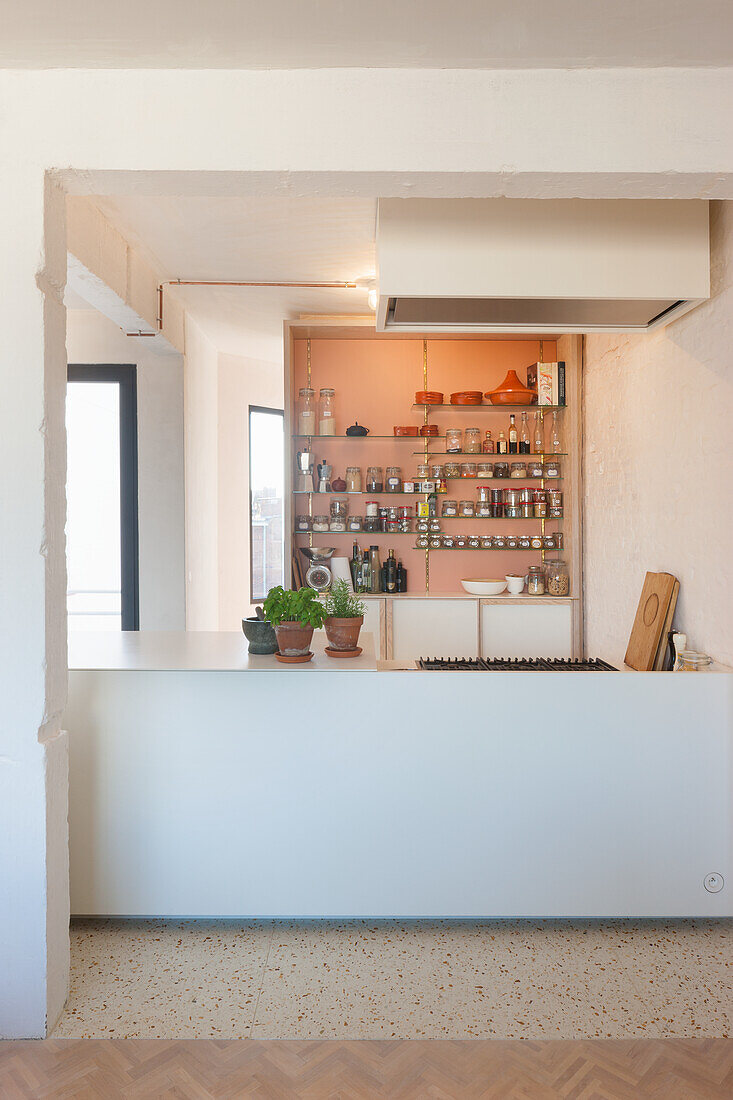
(375, 382)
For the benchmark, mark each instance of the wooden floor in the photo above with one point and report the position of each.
(675, 1069)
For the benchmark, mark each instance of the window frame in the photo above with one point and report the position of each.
(273, 412)
(125, 375)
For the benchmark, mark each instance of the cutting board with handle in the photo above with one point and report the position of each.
(651, 616)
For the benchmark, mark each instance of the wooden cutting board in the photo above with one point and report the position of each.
(651, 615)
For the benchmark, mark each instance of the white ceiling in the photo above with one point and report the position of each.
(268, 240)
(365, 33)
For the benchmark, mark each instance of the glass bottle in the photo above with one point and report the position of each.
(502, 447)
(539, 442)
(487, 447)
(390, 573)
(375, 570)
(366, 573)
(306, 412)
(513, 435)
(326, 420)
(555, 436)
(524, 445)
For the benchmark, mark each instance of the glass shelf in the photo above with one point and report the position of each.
(486, 549)
(493, 408)
(361, 438)
(483, 457)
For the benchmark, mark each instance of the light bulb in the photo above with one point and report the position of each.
(372, 298)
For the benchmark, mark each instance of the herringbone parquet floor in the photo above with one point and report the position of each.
(126, 1069)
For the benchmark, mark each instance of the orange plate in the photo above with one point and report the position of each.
(343, 652)
(406, 429)
(300, 660)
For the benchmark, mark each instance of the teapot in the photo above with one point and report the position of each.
(357, 429)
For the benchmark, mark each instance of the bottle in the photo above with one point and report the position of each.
(390, 573)
(366, 573)
(401, 577)
(524, 445)
(354, 565)
(502, 447)
(487, 447)
(555, 436)
(375, 570)
(539, 443)
(513, 436)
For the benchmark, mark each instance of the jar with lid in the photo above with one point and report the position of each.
(484, 510)
(501, 469)
(484, 469)
(435, 542)
(526, 510)
(449, 508)
(326, 413)
(353, 479)
(472, 441)
(536, 580)
(549, 543)
(393, 522)
(691, 661)
(554, 498)
(303, 523)
(405, 525)
(534, 469)
(434, 525)
(306, 411)
(448, 542)
(512, 497)
(453, 440)
(466, 508)
(539, 509)
(512, 542)
(557, 577)
(483, 493)
(524, 542)
(422, 542)
(372, 508)
(423, 469)
(525, 495)
(383, 519)
(393, 483)
(518, 469)
(474, 542)
(552, 469)
(513, 511)
(468, 469)
(487, 542)
(436, 471)
(375, 479)
(422, 524)
(536, 542)
(498, 542)
(320, 523)
(339, 507)
(461, 541)
(452, 469)
(371, 523)
(355, 523)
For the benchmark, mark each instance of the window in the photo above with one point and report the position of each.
(101, 498)
(266, 490)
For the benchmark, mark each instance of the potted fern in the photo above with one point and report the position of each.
(344, 619)
(294, 615)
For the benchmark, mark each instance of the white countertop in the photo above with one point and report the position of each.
(198, 651)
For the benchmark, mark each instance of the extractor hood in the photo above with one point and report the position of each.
(539, 265)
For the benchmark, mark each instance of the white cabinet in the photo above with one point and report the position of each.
(373, 619)
(434, 627)
(525, 629)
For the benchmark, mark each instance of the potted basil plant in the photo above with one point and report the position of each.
(345, 617)
(294, 615)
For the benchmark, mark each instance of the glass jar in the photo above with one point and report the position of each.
(518, 469)
(468, 469)
(383, 512)
(466, 508)
(536, 542)
(536, 580)
(435, 542)
(512, 497)
(498, 542)
(303, 523)
(552, 469)
(557, 578)
(554, 498)
(453, 440)
(355, 523)
(423, 469)
(422, 524)
(483, 493)
(485, 469)
(306, 412)
(484, 510)
(320, 523)
(452, 469)
(461, 541)
(449, 508)
(372, 508)
(393, 483)
(497, 509)
(526, 510)
(393, 522)
(513, 511)
(434, 525)
(405, 525)
(339, 507)
(690, 661)
(474, 542)
(525, 495)
(549, 543)
(375, 479)
(512, 542)
(353, 479)
(371, 523)
(539, 509)
(422, 542)
(501, 469)
(472, 441)
(326, 413)
(534, 469)
(487, 542)
(524, 542)
(448, 542)
(555, 513)
(436, 471)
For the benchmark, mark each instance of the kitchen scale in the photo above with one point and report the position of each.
(319, 574)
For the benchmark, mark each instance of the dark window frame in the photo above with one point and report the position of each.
(125, 375)
(274, 412)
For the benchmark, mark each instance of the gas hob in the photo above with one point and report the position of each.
(514, 664)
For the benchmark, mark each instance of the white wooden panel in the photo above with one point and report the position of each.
(526, 630)
(434, 627)
(372, 623)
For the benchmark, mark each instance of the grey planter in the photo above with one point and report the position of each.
(260, 635)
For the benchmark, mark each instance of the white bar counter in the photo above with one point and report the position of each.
(195, 791)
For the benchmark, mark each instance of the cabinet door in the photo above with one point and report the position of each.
(373, 617)
(434, 628)
(526, 629)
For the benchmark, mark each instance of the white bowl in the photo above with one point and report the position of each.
(477, 587)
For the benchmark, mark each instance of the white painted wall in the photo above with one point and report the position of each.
(92, 338)
(201, 427)
(242, 382)
(659, 466)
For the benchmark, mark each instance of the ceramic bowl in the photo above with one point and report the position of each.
(476, 586)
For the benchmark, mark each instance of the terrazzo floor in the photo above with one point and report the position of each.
(612, 979)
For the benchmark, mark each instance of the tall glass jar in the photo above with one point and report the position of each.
(393, 482)
(353, 479)
(326, 412)
(472, 441)
(306, 412)
(536, 580)
(375, 479)
(557, 577)
(453, 440)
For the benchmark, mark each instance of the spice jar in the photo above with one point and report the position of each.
(536, 580)
(434, 525)
(534, 469)
(383, 512)
(303, 523)
(474, 542)
(320, 523)
(393, 523)
(372, 508)
(487, 542)
(526, 495)
(306, 412)
(422, 542)
(501, 469)
(485, 469)
(468, 469)
(472, 441)
(326, 420)
(554, 498)
(435, 542)
(524, 542)
(466, 508)
(539, 509)
(512, 497)
(536, 542)
(498, 542)
(552, 469)
(423, 524)
(461, 541)
(557, 578)
(371, 523)
(339, 508)
(526, 510)
(548, 542)
(436, 471)
(511, 542)
(690, 661)
(393, 483)
(513, 511)
(483, 493)
(518, 469)
(354, 523)
(448, 542)
(423, 469)
(375, 479)
(452, 469)
(353, 479)
(484, 510)
(453, 440)
(449, 508)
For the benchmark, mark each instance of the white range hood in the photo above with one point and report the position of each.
(539, 265)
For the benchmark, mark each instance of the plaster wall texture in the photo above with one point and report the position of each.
(242, 382)
(201, 430)
(92, 338)
(658, 464)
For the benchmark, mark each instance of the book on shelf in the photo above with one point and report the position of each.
(550, 382)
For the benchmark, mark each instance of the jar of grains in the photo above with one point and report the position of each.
(375, 479)
(449, 508)
(518, 469)
(552, 469)
(557, 578)
(468, 469)
(466, 508)
(501, 469)
(423, 469)
(534, 469)
(353, 479)
(303, 523)
(536, 581)
(485, 469)
(320, 523)
(452, 469)
(472, 441)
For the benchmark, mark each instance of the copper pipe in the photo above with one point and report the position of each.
(221, 282)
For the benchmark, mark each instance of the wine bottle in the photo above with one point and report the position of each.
(390, 573)
(524, 444)
(513, 436)
(401, 577)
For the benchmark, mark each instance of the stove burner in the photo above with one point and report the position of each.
(514, 664)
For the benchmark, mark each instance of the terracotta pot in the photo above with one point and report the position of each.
(343, 633)
(294, 639)
(512, 392)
